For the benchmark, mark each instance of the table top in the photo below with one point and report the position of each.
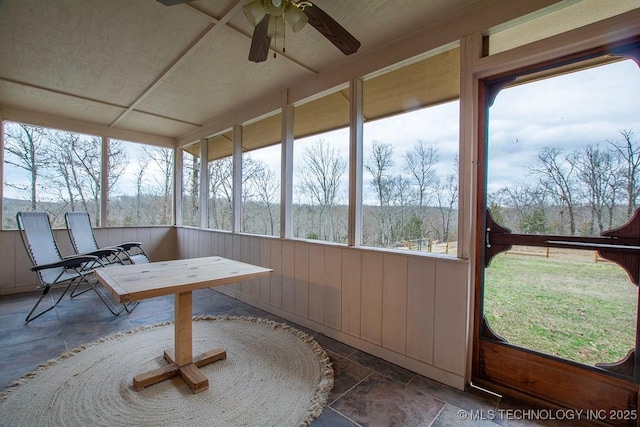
(139, 281)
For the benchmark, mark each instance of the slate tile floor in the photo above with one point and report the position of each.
(368, 391)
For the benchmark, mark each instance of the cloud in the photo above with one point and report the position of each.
(569, 112)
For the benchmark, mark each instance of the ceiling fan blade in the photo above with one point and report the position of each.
(333, 31)
(260, 41)
(173, 2)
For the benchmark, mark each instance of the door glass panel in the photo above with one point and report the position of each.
(566, 304)
(564, 160)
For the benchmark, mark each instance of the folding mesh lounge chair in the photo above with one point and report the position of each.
(84, 242)
(54, 270)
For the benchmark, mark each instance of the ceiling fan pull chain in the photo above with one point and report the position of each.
(275, 41)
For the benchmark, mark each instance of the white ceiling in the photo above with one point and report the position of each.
(140, 66)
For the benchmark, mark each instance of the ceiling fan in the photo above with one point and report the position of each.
(268, 19)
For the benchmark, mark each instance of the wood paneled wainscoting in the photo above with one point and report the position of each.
(406, 308)
(159, 242)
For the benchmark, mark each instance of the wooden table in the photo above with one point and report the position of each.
(139, 281)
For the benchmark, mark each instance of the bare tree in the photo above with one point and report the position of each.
(321, 177)
(524, 200)
(140, 181)
(447, 198)
(251, 169)
(221, 189)
(76, 162)
(25, 144)
(163, 159)
(596, 170)
(380, 164)
(420, 161)
(220, 193)
(629, 151)
(401, 198)
(556, 176)
(117, 162)
(66, 173)
(264, 187)
(191, 182)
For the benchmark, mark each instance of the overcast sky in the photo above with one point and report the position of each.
(570, 111)
(437, 125)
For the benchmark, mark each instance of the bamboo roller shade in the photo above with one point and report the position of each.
(428, 82)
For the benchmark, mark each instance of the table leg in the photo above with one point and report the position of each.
(183, 328)
(182, 361)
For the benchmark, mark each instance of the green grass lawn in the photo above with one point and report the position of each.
(566, 306)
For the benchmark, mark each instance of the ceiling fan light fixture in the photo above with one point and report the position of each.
(254, 12)
(276, 27)
(295, 17)
(274, 7)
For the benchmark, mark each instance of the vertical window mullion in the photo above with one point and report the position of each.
(286, 199)
(104, 182)
(203, 195)
(236, 208)
(354, 237)
(177, 186)
(2, 124)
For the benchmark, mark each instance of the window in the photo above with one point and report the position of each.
(191, 185)
(261, 160)
(221, 193)
(220, 170)
(320, 185)
(320, 161)
(410, 188)
(52, 170)
(140, 193)
(410, 156)
(261, 191)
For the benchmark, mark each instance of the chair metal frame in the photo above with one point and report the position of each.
(84, 241)
(52, 269)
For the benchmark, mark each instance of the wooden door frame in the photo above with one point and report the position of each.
(534, 377)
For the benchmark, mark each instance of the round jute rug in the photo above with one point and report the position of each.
(274, 375)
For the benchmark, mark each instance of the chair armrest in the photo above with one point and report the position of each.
(103, 252)
(128, 245)
(68, 262)
(113, 248)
